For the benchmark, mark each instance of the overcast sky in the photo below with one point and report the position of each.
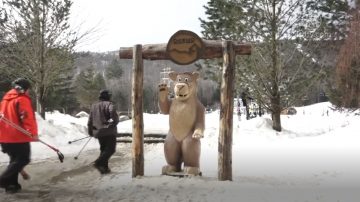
(124, 23)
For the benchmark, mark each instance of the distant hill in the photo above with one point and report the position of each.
(324, 55)
(152, 69)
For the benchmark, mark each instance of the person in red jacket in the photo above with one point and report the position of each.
(16, 106)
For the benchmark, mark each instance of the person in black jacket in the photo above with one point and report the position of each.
(102, 124)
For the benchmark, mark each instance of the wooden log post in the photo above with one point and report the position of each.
(226, 113)
(137, 113)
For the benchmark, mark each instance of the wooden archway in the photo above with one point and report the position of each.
(212, 49)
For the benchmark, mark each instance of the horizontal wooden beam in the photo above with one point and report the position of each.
(212, 49)
(145, 141)
(150, 135)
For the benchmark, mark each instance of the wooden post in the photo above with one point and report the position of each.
(226, 113)
(137, 113)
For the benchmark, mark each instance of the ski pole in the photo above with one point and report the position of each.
(27, 133)
(78, 139)
(77, 156)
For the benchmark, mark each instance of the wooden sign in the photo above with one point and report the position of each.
(184, 47)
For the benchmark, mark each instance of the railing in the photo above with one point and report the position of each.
(151, 138)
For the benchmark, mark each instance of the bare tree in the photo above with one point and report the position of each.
(38, 43)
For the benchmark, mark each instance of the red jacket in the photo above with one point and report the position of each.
(17, 108)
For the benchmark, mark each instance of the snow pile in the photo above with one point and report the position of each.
(57, 130)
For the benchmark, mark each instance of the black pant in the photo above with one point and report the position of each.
(107, 149)
(19, 154)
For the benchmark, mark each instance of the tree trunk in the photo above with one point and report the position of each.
(276, 110)
(246, 104)
(247, 112)
(40, 109)
(275, 99)
(260, 110)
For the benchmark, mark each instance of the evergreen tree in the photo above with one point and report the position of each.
(114, 70)
(4, 78)
(62, 96)
(328, 16)
(283, 35)
(149, 100)
(113, 74)
(88, 84)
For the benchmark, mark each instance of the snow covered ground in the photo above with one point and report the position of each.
(314, 158)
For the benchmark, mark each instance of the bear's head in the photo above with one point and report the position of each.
(185, 84)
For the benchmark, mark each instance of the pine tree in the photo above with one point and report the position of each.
(113, 74)
(114, 69)
(328, 16)
(283, 35)
(62, 96)
(88, 84)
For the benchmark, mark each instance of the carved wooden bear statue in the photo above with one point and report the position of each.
(187, 123)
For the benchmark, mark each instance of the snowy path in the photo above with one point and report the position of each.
(73, 180)
(289, 176)
(311, 179)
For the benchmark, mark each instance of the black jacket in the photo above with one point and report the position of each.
(103, 119)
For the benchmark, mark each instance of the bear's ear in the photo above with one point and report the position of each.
(173, 75)
(195, 75)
